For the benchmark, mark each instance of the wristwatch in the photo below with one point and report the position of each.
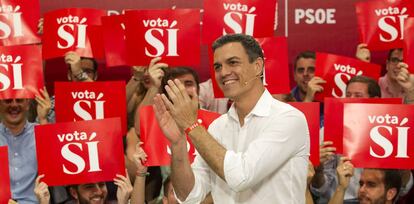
(82, 76)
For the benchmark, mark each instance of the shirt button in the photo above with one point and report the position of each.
(16, 154)
(18, 183)
(16, 168)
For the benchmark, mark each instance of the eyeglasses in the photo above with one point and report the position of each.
(395, 60)
(18, 100)
(88, 71)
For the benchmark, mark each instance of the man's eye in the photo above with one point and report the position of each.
(217, 67)
(233, 62)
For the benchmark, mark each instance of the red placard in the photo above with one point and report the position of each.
(156, 145)
(95, 36)
(334, 112)
(18, 22)
(5, 193)
(276, 72)
(338, 70)
(66, 30)
(379, 135)
(382, 23)
(311, 112)
(252, 17)
(80, 152)
(276, 68)
(114, 40)
(21, 71)
(172, 34)
(77, 101)
(409, 45)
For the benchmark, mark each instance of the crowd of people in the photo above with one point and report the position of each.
(257, 151)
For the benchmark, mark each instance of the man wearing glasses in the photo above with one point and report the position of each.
(395, 82)
(390, 88)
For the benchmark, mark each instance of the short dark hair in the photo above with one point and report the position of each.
(391, 51)
(250, 45)
(174, 72)
(374, 89)
(306, 55)
(392, 179)
(94, 62)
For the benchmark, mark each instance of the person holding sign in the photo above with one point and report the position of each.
(18, 134)
(97, 192)
(81, 68)
(307, 85)
(255, 153)
(326, 179)
(396, 82)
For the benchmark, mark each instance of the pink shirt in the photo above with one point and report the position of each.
(386, 91)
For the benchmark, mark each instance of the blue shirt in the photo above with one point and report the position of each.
(22, 162)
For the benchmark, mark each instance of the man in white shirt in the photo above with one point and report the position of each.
(256, 153)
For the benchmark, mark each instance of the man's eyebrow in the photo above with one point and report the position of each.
(232, 58)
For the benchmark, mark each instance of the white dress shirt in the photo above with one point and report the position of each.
(266, 159)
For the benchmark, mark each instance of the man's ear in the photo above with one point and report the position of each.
(391, 194)
(73, 193)
(259, 66)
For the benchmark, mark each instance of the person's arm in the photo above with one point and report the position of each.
(135, 90)
(133, 83)
(43, 106)
(363, 53)
(131, 142)
(182, 176)
(325, 153)
(314, 86)
(41, 191)
(123, 193)
(138, 192)
(345, 171)
(240, 170)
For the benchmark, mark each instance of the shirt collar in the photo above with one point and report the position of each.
(262, 107)
(4, 129)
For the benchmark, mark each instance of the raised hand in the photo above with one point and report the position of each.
(363, 53)
(41, 191)
(314, 86)
(325, 152)
(182, 107)
(43, 105)
(345, 171)
(166, 122)
(123, 193)
(155, 71)
(404, 78)
(140, 157)
(74, 61)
